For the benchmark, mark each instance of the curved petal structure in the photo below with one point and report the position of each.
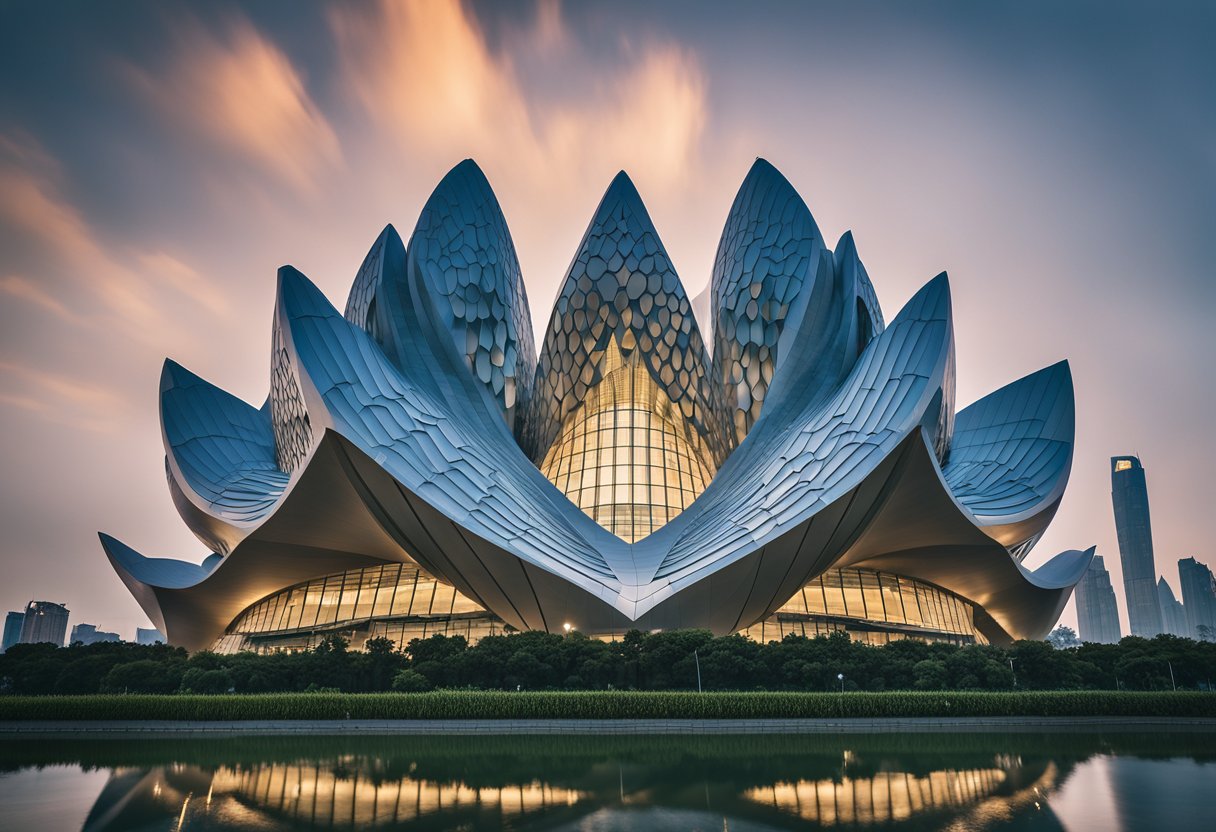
(645, 490)
(769, 250)
(621, 288)
(219, 458)
(1011, 456)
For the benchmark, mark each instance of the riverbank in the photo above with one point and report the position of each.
(164, 729)
(632, 706)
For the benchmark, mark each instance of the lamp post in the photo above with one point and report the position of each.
(697, 659)
(567, 627)
(840, 676)
(1171, 667)
(1014, 672)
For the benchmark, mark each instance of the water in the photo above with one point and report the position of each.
(603, 784)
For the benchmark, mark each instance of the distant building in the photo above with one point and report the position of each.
(148, 636)
(1173, 617)
(89, 634)
(12, 629)
(1097, 614)
(44, 622)
(1129, 493)
(1198, 596)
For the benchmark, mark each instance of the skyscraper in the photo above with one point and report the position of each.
(1173, 616)
(1198, 597)
(148, 635)
(89, 634)
(12, 629)
(44, 622)
(1097, 615)
(1130, 496)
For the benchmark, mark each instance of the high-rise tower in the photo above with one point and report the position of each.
(1130, 496)
(1097, 615)
(1198, 597)
(12, 630)
(44, 622)
(1173, 616)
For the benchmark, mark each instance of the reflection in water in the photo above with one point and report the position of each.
(885, 797)
(334, 799)
(921, 782)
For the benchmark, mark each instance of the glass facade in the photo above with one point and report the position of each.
(397, 601)
(628, 457)
(401, 602)
(875, 607)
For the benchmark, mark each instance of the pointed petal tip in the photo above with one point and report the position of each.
(173, 374)
(622, 186)
(291, 280)
(297, 295)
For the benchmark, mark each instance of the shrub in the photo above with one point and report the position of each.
(410, 681)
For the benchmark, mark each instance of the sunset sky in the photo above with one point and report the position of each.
(159, 161)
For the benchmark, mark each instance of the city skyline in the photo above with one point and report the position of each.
(134, 226)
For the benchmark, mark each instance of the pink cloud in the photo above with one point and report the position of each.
(242, 94)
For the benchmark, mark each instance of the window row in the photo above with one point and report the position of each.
(776, 628)
(373, 592)
(882, 597)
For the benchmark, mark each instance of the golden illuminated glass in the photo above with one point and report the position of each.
(848, 600)
(378, 591)
(1123, 465)
(627, 457)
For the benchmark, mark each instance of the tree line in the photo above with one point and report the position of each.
(677, 660)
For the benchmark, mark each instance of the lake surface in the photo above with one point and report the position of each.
(602, 784)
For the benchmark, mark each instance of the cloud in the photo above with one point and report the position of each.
(186, 280)
(24, 289)
(242, 94)
(61, 398)
(106, 283)
(425, 72)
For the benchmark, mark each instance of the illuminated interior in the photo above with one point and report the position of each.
(627, 457)
(395, 601)
(1123, 465)
(850, 600)
(401, 602)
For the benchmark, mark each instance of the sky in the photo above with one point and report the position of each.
(159, 161)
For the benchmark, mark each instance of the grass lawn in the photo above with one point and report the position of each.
(603, 705)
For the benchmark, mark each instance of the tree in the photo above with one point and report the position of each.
(410, 681)
(930, 675)
(197, 680)
(144, 676)
(1063, 637)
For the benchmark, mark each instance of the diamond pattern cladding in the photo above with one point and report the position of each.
(288, 415)
(463, 249)
(621, 285)
(765, 255)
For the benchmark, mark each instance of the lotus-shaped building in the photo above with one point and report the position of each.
(418, 468)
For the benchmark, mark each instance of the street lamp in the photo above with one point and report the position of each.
(567, 627)
(697, 659)
(1014, 672)
(840, 676)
